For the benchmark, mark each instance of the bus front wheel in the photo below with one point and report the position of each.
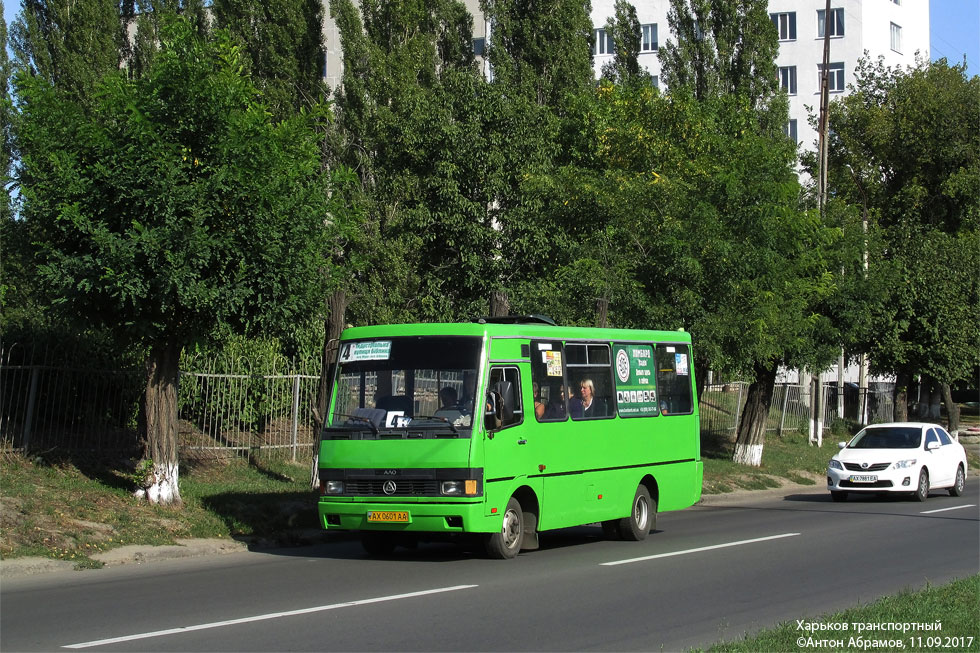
(643, 516)
(507, 542)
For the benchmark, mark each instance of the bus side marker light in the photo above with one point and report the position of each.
(541, 468)
(493, 511)
(600, 496)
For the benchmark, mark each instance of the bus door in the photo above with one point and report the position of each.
(507, 448)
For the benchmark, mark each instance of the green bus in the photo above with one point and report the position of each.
(505, 428)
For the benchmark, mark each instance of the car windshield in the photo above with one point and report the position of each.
(408, 384)
(888, 437)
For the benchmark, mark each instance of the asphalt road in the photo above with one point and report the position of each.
(710, 573)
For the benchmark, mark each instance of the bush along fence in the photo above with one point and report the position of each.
(230, 408)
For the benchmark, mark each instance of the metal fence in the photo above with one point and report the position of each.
(230, 409)
(722, 405)
(57, 407)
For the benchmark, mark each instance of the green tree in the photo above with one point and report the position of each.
(171, 207)
(905, 148)
(283, 40)
(70, 43)
(623, 28)
(722, 48)
(410, 111)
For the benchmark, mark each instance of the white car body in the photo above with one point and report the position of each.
(909, 457)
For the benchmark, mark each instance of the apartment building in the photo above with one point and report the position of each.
(897, 30)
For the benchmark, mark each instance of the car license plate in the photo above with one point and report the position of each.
(388, 516)
(864, 478)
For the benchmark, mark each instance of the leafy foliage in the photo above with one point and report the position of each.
(906, 148)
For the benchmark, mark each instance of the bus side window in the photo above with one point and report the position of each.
(673, 363)
(590, 381)
(513, 376)
(548, 382)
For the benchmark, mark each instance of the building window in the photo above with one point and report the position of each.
(649, 42)
(896, 37)
(603, 42)
(835, 77)
(791, 131)
(655, 81)
(787, 79)
(785, 25)
(836, 22)
(479, 47)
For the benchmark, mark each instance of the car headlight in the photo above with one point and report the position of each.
(458, 488)
(835, 464)
(904, 464)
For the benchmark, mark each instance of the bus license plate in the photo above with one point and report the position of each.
(864, 479)
(388, 516)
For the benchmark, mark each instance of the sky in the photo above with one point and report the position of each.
(954, 27)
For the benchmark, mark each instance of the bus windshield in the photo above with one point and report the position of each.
(394, 386)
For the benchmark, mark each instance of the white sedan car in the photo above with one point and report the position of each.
(899, 457)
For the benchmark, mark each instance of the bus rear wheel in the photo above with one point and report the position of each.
(643, 516)
(507, 542)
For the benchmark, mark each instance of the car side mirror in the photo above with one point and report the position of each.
(841, 445)
(932, 445)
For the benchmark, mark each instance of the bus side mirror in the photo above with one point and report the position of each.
(506, 391)
(493, 411)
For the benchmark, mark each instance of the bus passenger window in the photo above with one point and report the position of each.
(548, 382)
(589, 381)
(673, 364)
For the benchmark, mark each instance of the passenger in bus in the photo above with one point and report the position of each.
(591, 406)
(539, 407)
(556, 407)
(575, 406)
(448, 399)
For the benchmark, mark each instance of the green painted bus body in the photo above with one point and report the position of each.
(566, 473)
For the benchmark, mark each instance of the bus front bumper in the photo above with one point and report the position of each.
(441, 517)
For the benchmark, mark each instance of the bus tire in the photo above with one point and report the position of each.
(643, 516)
(506, 543)
(378, 544)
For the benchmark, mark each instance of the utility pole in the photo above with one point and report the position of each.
(816, 405)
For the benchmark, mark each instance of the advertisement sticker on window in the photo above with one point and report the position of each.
(636, 394)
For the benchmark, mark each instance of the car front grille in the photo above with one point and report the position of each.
(855, 467)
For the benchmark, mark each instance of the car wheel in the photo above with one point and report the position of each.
(959, 483)
(643, 516)
(922, 490)
(507, 542)
(837, 495)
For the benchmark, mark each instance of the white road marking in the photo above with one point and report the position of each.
(929, 512)
(698, 550)
(263, 617)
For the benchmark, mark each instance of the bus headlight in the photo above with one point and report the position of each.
(332, 487)
(458, 488)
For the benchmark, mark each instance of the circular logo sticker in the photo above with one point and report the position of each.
(623, 366)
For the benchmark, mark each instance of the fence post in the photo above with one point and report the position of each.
(782, 417)
(295, 426)
(31, 401)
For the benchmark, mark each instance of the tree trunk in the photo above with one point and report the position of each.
(160, 444)
(952, 409)
(499, 304)
(602, 313)
(701, 375)
(901, 396)
(752, 426)
(336, 314)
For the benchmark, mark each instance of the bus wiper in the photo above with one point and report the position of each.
(439, 418)
(357, 418)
